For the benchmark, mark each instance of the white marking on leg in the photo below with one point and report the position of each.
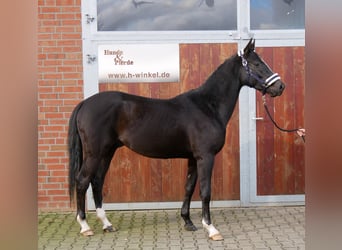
(210, 228)
(214, 234)
(101, 214)
(84, 225)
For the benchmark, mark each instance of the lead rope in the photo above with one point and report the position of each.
(300, 130)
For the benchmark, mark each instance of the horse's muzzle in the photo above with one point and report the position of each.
(276, 89)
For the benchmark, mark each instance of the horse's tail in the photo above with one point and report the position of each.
(75, 151)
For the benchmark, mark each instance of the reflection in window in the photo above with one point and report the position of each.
(277, 14)
(162, 15)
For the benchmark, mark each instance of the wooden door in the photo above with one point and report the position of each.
(280, 156)
(135, 178)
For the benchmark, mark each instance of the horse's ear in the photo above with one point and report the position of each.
(250, 46)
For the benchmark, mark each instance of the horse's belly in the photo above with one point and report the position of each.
(159, 146)
(163, 154)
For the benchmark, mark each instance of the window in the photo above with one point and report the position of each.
(277, 14)
(166, 15)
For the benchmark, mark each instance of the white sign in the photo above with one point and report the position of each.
(138, 63)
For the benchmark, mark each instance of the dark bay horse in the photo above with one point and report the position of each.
(191, 125)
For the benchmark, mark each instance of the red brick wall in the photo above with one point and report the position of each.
(60, 88)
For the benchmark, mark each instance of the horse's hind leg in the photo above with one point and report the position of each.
(82, 184)
(189, 190)
(97, 185)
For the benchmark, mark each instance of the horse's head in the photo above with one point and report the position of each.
(257, 74)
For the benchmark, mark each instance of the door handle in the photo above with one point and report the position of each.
(258, 118)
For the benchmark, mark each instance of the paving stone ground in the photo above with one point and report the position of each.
(242, 228)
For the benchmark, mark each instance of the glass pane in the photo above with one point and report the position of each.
(277, 14)
(162, 15)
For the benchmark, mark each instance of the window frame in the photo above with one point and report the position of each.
(243, 32)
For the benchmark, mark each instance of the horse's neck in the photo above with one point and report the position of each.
(221, 90)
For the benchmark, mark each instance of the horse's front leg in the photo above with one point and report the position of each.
(205, 167)
(189, 190)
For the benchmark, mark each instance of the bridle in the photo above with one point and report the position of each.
(268, 82)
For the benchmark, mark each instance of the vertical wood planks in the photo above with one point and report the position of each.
(280, 155)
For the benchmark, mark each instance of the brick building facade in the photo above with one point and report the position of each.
(60, 88)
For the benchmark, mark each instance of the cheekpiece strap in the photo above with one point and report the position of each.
(244, 61)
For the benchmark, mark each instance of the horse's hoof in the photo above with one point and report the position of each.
(88, 233)
(190, 227)
(109, 229)
(216, 237)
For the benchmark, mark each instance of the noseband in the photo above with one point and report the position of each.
(265, 83)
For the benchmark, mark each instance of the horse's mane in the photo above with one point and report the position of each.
(218, 79)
